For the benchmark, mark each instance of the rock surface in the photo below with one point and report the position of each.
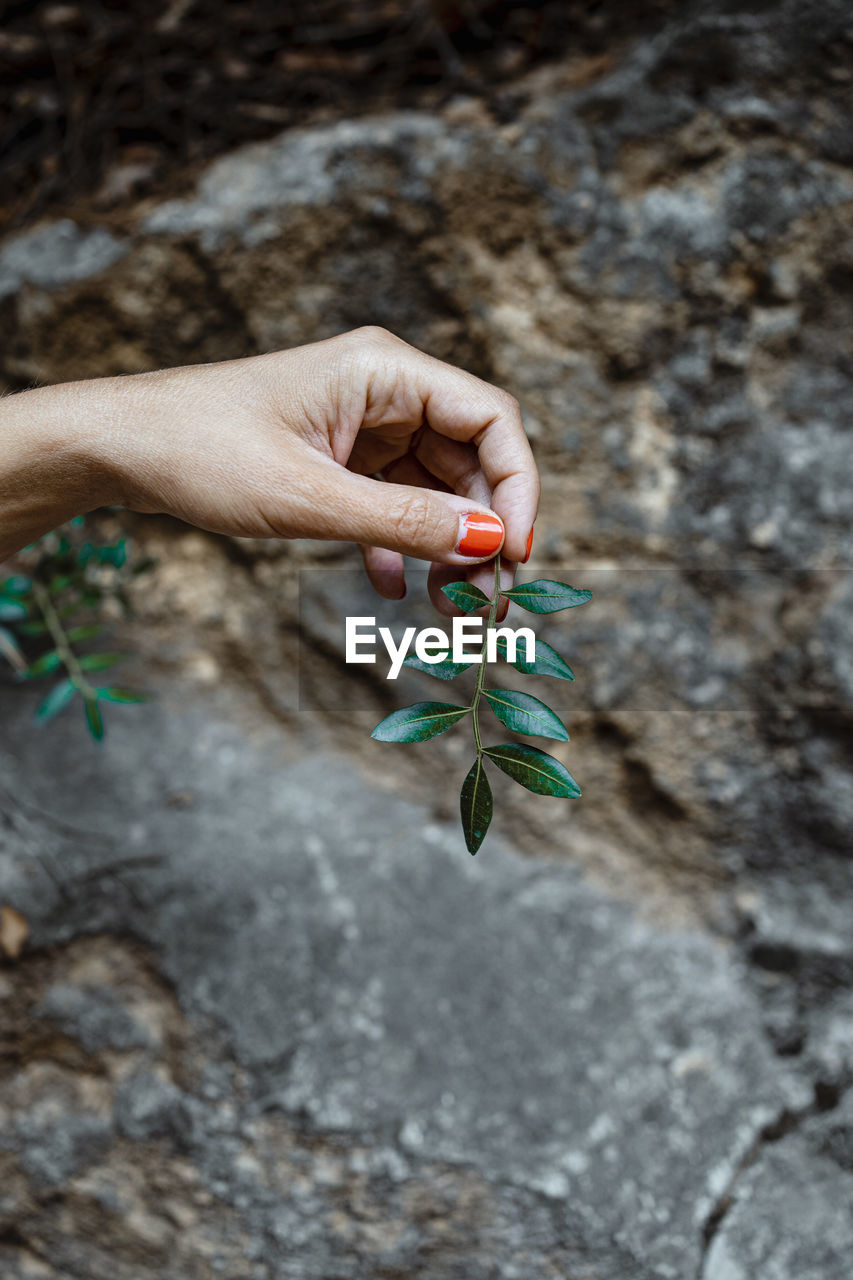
(335, 1026)
(806, 1183)
(272, 1010)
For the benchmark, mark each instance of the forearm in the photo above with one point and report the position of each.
(51, 458)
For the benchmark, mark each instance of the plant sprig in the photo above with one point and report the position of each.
(519, 712)
(59, 600)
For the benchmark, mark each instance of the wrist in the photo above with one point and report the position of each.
(53, 463)
(68, 427)
(85, 423)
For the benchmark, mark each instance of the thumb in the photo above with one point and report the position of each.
(424, 523)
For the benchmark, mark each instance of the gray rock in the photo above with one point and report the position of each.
(790, 1218)
(497, 1015)
(54, 1152)
(836, 636)
(57, 254)
(383, 1057)
(147, 1106)
(23, 1264)
(93, 1016)
(306, 167)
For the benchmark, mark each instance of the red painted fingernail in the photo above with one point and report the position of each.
(481, 535)
(529, 546)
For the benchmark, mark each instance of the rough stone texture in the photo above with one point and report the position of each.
(55, 255)
(618, 1045)
(415, 1022)
(806, 1183)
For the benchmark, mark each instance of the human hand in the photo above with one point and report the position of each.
(288, 445)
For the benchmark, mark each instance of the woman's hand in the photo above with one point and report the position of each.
(288, 445)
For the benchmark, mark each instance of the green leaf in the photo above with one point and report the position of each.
(12, 611)
(545, 596)
(44, 665)
(548, 662)
(467, 598)
(418, 722)
(59, 583)
(33, 628)
(475, 802)
(94, 719)
(122, 695)
(87, 631)
(523, 713)
(59, 697)
(100, 661)
(444, 670)
(534, 769)
(17, 585)
(115, 555)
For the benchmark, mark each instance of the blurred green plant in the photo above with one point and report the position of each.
(60, 601)
(519, 712)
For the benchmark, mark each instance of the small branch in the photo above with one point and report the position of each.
(11, 652)
(57, 633)
(481, 673)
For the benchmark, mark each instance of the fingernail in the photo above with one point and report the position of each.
(480, 535)
(503, 610)
(529, 546)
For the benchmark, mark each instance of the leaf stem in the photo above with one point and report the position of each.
(481, 672)
(57, 633)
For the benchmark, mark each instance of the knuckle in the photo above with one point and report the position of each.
(373, 334)
(468, 478)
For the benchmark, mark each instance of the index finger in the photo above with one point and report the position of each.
(462, 407)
